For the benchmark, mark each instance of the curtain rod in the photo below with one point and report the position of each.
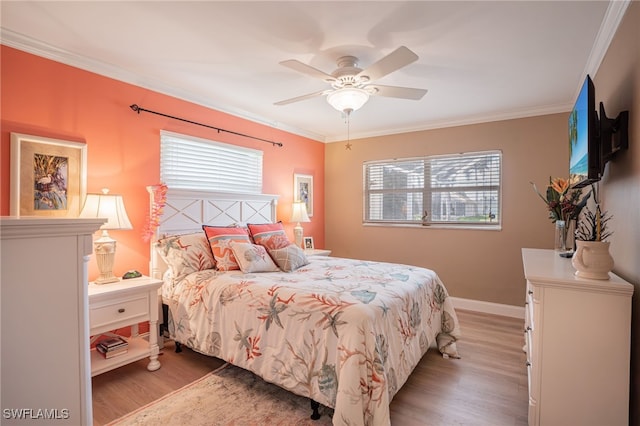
(137, 109)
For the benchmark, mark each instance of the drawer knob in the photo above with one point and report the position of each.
(530, 291)
(121, 310)
(528, 364)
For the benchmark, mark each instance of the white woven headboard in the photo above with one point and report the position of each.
(186, 211)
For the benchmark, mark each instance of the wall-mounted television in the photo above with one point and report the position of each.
(584, 145)
(593, 141)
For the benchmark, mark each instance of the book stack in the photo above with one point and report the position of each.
(112, 346)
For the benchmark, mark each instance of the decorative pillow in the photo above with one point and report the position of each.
(220, 238)
(185, 254)
(270, 235)
(253, 258)
(289, 258)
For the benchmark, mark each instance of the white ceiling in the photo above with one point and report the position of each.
(481, 61)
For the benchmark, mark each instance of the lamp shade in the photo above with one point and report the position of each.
(107, 206)
(299, 212)
(348, 99)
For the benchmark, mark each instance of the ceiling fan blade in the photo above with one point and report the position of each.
(395, 60)
(303, 97)
(398, 92)
(308, 70)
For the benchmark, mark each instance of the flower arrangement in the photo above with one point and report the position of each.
(563, 202)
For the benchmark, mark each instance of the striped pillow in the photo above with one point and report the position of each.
(270, 235)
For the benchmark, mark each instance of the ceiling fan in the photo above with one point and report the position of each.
(352, 86)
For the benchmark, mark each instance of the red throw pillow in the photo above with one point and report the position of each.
(220, 238)
(269, 235)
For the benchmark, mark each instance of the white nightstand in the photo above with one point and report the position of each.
(121, 304)
(317, 252)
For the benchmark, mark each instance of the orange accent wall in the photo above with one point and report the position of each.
(46, 98)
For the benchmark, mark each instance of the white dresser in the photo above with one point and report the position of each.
(577, 339)
(45, 326)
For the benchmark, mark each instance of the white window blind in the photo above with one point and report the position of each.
(457, 189)
(188, 162)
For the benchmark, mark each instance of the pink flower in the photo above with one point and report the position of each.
(153, 221)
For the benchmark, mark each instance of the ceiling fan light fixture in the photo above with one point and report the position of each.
(348, 99)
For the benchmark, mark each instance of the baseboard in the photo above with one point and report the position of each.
(488, 307)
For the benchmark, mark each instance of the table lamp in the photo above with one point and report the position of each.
(299, 214)
(110, 207)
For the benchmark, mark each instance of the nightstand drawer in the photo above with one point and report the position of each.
(118, 311)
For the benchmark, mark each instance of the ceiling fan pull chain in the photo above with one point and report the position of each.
(348, 121)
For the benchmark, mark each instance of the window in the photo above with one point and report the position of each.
(459, 189)
(187, 162)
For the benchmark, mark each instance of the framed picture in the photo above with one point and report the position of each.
(303, 191)
(48, 176)
(308, 243)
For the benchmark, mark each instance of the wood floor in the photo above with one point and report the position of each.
(487, 386)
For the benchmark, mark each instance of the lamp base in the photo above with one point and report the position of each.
(105, 249)
(106, 280)
(297, 233)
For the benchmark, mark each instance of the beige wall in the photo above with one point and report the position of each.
(617, 84)
(480, 265)
(486, 265)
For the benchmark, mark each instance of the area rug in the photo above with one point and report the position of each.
(227, 396)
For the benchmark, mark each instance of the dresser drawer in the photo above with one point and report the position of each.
(529, 304)
(115, 312)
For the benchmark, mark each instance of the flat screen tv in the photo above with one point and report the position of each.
(584, 145)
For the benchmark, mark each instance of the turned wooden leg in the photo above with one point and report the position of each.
(154, 364)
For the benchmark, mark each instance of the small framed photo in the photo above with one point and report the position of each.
(48, 176)
(308, 243)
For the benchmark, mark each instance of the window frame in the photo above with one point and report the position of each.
(426, 193)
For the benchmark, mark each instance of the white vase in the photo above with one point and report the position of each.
(592, 260)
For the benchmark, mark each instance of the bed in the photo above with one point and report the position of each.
(345, 333)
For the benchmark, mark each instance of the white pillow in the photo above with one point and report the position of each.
(252, 258)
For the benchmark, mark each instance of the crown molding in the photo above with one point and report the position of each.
(476, 119)
(610, 23)
(38, 48)
(613, 16)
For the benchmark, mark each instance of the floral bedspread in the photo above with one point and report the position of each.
(346, 333)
